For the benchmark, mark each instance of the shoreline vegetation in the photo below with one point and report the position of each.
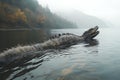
(22, 14)
(27, 22)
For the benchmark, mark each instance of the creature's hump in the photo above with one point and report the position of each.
(59, 35)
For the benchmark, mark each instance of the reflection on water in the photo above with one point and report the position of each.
(78, 62)
(11, 38)
(19, 67)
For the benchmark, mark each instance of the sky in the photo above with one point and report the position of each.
(107, 9)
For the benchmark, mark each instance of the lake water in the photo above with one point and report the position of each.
(78, 62)
(11, 38)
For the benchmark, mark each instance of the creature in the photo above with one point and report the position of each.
(57, 42)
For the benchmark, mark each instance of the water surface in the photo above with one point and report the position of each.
(99, 62)
(13, 37)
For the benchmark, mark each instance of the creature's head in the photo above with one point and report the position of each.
(90, 34)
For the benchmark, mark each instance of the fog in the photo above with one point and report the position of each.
(107, 10)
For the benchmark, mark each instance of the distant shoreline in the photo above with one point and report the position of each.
(20, 29)
(32, 29)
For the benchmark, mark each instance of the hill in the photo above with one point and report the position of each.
(17, 14)
(81, 19)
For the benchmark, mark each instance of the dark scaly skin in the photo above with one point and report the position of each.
(57, 42)
(68, 39)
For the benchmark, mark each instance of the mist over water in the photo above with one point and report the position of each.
(106, 10)
(77, 62)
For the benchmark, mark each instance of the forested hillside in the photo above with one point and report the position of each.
(17, 14)
(81, 19)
